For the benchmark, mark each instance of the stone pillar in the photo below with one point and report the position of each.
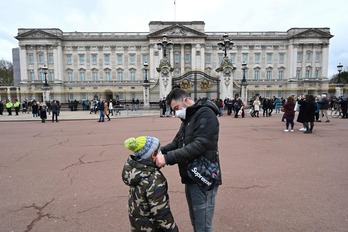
(339, 90)
(165, 78)
(8, 93)
(17, 93)
(226, 78)
(146, 96)
(244, 94)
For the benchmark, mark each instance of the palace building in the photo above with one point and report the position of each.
(146, 65)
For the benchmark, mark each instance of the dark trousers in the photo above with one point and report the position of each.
(54, 115)
(289, 122)
(9, 111)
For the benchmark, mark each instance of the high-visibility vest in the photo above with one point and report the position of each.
(16, 104)
(9, 105)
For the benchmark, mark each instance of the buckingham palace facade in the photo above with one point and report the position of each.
(88, 65)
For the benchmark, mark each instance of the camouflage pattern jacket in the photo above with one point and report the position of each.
(148, 199)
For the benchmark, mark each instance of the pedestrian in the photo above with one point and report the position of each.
(256, 105)
(289, 113)
(16, 106)
(101, 110)
(197, 137)
(106, 110)
(43, 113)
(34, 108)
(324, 106)
(111, 107)
(1, 107)
(148, 200)
(9, 107)
(299, 106)
(54, 110)
(309, 113)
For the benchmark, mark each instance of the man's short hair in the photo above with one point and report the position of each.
(176, 94)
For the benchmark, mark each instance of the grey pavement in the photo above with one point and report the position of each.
(66, 176)
(67, 115)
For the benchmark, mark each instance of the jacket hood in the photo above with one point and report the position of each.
(202, 103)
(135, 169)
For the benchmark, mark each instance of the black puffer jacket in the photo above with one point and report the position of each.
(198, 135)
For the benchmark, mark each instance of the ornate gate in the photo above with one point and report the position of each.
(198, 83)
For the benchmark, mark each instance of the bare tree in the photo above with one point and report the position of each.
(6, 73)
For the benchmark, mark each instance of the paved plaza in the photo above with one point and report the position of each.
(66, 176)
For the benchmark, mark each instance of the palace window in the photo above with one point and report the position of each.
(220, 55)
(269, 74)
(177, 58)
(317, 56)
(41, 59)
(106, 58)
(208, 58)
(280, 75)
(50, 58)
(132, 75)
(51, 75)
(256, 74)
(257, 57)
(233, 57)
(298, 74)
(107, 75)
(132, 58)
(95, 75)
(281, 58)
(145, 59)
(94, 58)
(82, 75)
(82, 58)
(245, 57)
(120, 75)
(31, 58)
(70, 76)
(269, 58)
(69, 59)
(187, 58)
(119, 59)
(308, 57)
(299, 56)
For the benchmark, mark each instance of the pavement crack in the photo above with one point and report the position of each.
(21, 157)
(36, 135)
(94, 207)
(81, 162)
(39, 213)
(101, 152)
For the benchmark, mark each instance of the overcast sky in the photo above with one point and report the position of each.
(135, 15)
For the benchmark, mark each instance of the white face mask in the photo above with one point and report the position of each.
(181, 113)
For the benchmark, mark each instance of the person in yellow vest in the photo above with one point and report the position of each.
(9, 106)
(16, 106)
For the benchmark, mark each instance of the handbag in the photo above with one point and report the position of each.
(240, 112)
(282, 109)
(204, 172)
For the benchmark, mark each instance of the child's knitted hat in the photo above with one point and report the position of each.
(142, 146)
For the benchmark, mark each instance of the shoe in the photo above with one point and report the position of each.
(318, 120)
(286, 130)
(292, 130)
(327, 121)
(307, 132)
(302, 129)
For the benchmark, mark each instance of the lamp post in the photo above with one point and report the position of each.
(44, 70)
(225, 44)
(339, 69)
(339, 85)
(46, 88)
(165, 44)
(146, 89)
(244, 83)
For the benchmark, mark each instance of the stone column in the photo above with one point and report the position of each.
(8, 93)
(165, 79)
(146, 96)
(226, 78)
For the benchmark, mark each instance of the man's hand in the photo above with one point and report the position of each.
(160, 161)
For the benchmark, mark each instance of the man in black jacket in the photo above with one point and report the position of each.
(198, 136)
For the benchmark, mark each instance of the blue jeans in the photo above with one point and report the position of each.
(201, 204)
(101, 117)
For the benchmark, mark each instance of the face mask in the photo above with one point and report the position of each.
(181, 113)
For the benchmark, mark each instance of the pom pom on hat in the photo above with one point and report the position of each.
(142, 146)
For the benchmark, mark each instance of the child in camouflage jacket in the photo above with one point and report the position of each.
(148, 199)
